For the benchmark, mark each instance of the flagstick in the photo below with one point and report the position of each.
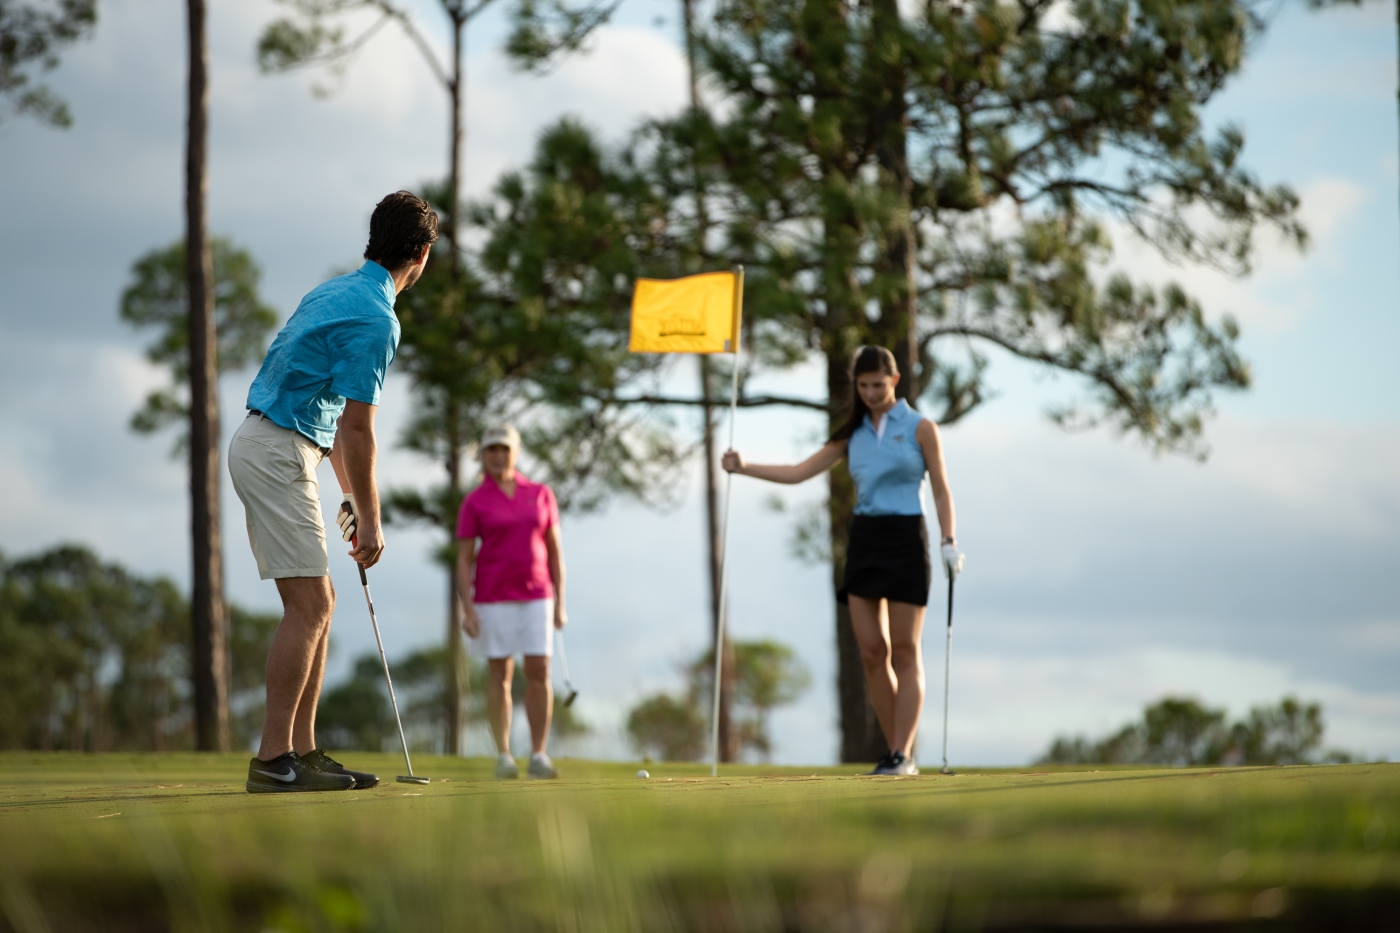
(724, 533)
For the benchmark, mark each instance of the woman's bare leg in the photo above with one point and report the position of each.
(539, 700)
(872, 631)
(499, 673)
(907, 660)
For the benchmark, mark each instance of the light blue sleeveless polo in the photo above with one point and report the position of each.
(888, 468)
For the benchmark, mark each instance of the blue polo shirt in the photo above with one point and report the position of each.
(337, 345)
(888, 467)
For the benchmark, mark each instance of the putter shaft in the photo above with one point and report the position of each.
(389, 682)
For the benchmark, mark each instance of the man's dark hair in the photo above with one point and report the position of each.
(401, 225)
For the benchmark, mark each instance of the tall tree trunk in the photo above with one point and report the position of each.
(898, 294)
(728, 738)
(455, 659)
(207, 610)
(454, 169)
(897, 329)
(825, 23)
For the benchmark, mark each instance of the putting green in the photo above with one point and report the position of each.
(145, 842)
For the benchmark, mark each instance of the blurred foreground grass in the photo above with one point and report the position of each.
(153, 842)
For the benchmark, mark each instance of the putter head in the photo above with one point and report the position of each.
(947, 771)
(411, 779)
(569, 700)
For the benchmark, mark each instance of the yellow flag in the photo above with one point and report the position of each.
(696, 314)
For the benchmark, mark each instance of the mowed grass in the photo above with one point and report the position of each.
(150, 842)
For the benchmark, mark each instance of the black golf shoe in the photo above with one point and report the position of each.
(885, 765)
(290, 773)
(318, 759)
(896, 765)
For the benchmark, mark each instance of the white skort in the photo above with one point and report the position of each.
(274, 474)
(512, 628)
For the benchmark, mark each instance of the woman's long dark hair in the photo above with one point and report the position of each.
(866, 360)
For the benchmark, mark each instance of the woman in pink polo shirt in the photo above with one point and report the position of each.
(512, 592)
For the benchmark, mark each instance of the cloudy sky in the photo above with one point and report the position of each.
(1099, 578)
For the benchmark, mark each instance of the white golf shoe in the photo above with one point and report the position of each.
(541, 767)
(505, 767)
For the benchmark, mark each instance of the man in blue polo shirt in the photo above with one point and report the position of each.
(315, 397)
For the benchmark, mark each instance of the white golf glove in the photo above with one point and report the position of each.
(953, 561)
(348, 518)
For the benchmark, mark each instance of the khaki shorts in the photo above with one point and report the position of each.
(274, 474)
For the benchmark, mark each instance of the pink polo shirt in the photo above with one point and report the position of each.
(513, 564)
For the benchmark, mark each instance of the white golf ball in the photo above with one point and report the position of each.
(643, 773)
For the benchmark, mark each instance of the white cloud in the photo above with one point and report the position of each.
(1326, 204)
(628, 74)
(1280, 293)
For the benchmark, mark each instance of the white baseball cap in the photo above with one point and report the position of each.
(502, 434)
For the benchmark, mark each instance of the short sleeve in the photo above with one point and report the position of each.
(549, 508)
(361, 351)
(467, 525)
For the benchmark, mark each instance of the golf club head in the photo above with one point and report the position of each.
(947, 771)
(569, 700)
(411, 779)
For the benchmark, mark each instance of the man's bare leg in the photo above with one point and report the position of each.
(539, 700)
(304, 724)
(307, 603)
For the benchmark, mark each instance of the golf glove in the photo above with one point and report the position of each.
(348, 518)
(953, 560)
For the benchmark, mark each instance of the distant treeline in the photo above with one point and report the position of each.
(1180, 731)
(355, 713)
(95, 658)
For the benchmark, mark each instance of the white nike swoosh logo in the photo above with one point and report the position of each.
(288, 777)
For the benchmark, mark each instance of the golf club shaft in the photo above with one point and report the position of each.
(947, 658)
(563, 657)
(364, 581)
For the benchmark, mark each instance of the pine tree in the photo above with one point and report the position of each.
(946, 180)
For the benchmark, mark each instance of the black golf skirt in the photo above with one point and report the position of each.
(887, 558)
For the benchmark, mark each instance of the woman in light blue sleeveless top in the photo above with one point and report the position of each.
(889, 448)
